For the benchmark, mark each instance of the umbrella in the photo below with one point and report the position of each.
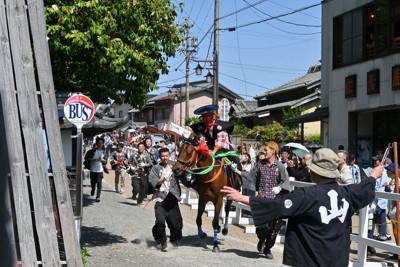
(313, 145)
(299, 152)
(297, 149)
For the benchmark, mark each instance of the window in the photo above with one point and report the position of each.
(348, 36)
(370, 31)
(120, 114)
(162, 114)
(396, 26)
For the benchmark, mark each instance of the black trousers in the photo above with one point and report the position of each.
(167, 212)
(269, 233)
(96, 178)
(139, 186)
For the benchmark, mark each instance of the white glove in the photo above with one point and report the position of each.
(141, 164)
(372, 208)
(133, 168)
(276, 189)
(234, 167)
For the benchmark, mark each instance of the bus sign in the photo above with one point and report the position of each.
(79, 110)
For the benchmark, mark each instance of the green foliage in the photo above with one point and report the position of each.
(95, 44)
(192, 120)
(85, 256)
(290, 113)
(274, 132)
(240, 129)
(313, 138)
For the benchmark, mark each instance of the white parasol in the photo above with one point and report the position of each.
(297, 149)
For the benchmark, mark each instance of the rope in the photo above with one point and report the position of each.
(218, 173)
(206, 170)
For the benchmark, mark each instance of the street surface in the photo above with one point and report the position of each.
(117, 232)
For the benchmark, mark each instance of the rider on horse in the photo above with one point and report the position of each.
(215, 132)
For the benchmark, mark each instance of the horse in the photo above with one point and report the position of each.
(210, 178)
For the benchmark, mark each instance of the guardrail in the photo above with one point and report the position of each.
(189, 197)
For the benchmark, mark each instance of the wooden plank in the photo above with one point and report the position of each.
(7, 251)
(32, 131)
(49, 106)
(15, 150)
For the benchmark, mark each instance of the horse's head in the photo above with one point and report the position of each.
(185, 158)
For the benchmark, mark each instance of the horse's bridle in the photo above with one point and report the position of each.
(188, 163)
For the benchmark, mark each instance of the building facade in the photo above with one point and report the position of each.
(171, 106)
(361, 75)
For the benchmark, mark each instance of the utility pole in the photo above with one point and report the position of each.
(216, 54)
(187, 73)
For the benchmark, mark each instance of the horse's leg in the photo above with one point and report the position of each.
(215, 223)
(200, 211)
(226, 223)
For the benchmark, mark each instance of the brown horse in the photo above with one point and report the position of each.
(210, 176)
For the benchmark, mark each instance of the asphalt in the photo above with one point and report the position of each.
(117, 232)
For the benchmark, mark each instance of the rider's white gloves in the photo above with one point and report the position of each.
(234, 167)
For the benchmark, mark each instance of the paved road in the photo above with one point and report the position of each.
(117, 232)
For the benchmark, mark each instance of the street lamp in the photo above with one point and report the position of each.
(209, 77)
(199, 69)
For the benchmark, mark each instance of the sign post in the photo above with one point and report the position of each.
(79, 110)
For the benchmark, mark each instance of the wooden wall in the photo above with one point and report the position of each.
(42, 229)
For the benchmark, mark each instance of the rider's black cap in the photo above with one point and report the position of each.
(205, 109)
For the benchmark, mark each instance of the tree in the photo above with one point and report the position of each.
(111, 49)
(274, 132)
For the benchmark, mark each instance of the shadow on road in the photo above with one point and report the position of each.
(243, 253)
(97, 237)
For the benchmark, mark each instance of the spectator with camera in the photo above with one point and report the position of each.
(119, 161)
(301, 173)
(139, 167)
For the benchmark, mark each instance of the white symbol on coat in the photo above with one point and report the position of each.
(334, 211)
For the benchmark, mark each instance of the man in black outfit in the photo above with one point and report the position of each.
(300, 173)
(317, 233)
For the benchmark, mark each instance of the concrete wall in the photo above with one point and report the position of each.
(333, 83)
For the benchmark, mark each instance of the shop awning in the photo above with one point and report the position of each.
(317, 115)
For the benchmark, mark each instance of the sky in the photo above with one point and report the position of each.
(273, 42)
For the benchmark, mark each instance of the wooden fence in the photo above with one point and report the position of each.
(42, 228)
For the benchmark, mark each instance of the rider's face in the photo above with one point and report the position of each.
(208, 117)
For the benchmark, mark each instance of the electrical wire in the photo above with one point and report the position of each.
(281, 20)
(271, 18)
(242, 9)
(239, 57)
(299, 12)
(236, 78)
(266, 67)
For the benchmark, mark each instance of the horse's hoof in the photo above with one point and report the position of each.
(224, 231)
(216, 249)
(203, 236)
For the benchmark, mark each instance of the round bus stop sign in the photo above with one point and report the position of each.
(79, 110)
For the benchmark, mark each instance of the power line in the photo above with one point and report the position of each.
(239, 57)
(242, 9)
(271, 18)
(235, 78)
(250, 65)
(300, 12)
(281, 20)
